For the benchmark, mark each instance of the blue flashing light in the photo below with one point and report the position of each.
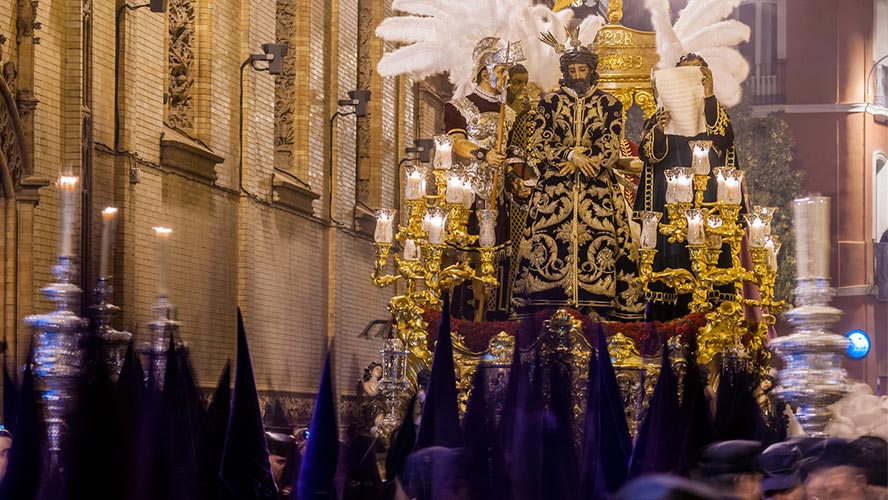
(859, 345)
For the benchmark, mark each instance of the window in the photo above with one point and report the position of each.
(766, 49)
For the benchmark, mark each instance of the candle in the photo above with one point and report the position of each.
(383, 233)
(468, 196)
(670, 185)
(434, 221)
(649, 224)
(756, 229)
(487, 232)
(696, 235)
(721, 175)
(108, 216)
(773, 247)
(812, 237)
(700, 160)
(443, 154)
(454, 192)
(684, 188)
(67, 193)
(767, 215)
(163, 253)
(410, 251)
(415, 188)
(733, 183)
(732, 191)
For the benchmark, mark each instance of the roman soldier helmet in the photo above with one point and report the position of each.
(492, 51)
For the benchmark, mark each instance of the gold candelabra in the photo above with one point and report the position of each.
(706, 227)
(433, 224)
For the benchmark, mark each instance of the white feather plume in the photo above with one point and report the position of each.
(439, 36)
(668, 45)
(589, 28)
(701, 28)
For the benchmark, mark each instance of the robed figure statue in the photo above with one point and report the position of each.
(577, 249)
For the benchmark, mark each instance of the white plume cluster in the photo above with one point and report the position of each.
(859, 413)
(701, 28)
(439, 36)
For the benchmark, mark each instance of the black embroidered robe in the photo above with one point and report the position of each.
(577, 249)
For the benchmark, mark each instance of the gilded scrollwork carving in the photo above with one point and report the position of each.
(181, 63)
(621, 62)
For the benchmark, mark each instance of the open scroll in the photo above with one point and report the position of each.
(680, 92)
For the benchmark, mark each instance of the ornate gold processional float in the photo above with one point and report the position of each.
(435, 252)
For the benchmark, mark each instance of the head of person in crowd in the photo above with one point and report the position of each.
(5, 447)
(873, 454)
(516, 96)
(836, 473)
(439, 473)
(732, 468)
(665, 487)
(781, 464)
(281, 445)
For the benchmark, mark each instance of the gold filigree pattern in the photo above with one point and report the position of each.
(620, 63)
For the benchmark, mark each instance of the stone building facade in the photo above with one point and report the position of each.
(268, 195)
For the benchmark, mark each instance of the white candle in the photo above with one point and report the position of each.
(684, 190)
(700, 161)
(732, 191)
(454, 192)
(67, 193)
(108, 216)
(767, 215)
(415, 187)
(410, 250)
(383, 233)
(443, 152)
(720, 177)
(756, 230)
(163, 253)
(649, 224)
(434, 220)
(670, 185)
(487, 232)
(812, 237)
(696, 235)
(773, 248)
(468, 196)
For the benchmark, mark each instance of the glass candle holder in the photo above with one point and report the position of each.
(733, 187)
(443, 152)
(767, 215)
(434, 222)
(721, 175)
(487, 231)
(700, 156)
(650, 222)
(756, 226)
(696, 234)
(684, 185)
(415, 186)
(384, 222)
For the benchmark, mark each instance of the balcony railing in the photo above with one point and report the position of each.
(767, 83)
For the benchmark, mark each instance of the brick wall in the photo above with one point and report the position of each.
(299, 280)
